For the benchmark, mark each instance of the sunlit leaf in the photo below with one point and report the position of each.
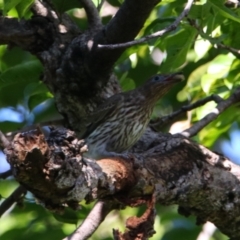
(23, 6)
(177, 46)
(9, 4)
(14, 80)
(226, 12)
(63, 5)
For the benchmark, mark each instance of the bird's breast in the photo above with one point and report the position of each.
(121, 130)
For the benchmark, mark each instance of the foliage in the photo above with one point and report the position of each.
(207, 68)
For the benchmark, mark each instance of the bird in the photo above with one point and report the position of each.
(117, 124)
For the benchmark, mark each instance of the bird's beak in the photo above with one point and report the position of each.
(175, 77)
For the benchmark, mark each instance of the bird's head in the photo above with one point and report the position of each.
(158, 85)
(165, 79)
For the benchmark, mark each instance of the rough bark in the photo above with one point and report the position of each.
(173, 168)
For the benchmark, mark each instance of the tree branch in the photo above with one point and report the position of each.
(213, 41)
(128, 21)
(34, 35)
(162, 121)
(157, 34)
(100, 4)
(12, 30)
(124, 27)
(222, 106)
(175, 169)
(3, 141)
(6, 174)
(230, 49)
(207, 231)
(94, 19)
(14, 197)
(92, 221)
(42, 9)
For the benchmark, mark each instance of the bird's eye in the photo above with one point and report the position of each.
(156, 78)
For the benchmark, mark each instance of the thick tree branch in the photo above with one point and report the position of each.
(128, 20)
(157, 34)
(124, 27)
(12, 30)
(94, 19)
(13, 198)
(221, 106)
(34, 35)
(6, 174)
(175, 169)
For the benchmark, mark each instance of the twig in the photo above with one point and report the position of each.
(160, 33)
(230, 49)
(94, 19)
(222, 106)
(6, 174)
(212, 40)
(166, 119)
(207, 231)
(100, 4)
(3, 141)
(14, 197)
(91, 223)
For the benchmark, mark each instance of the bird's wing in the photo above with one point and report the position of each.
(101, 113)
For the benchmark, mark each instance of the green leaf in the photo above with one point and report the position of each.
(64, 5)
(202, 111)
(115, 3)
(21, 73)
(23, 6)
(9, 4)
(218, 68)
(35, 88)
(127, 84)
(177, 46)
(69, 216)
(158, 24)
(48, 112)
(200, 11)
(37, 99)
(234, 74)
(14, 80)
(226, 12)
(175, 232)
(218, 127)
(14, 56)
